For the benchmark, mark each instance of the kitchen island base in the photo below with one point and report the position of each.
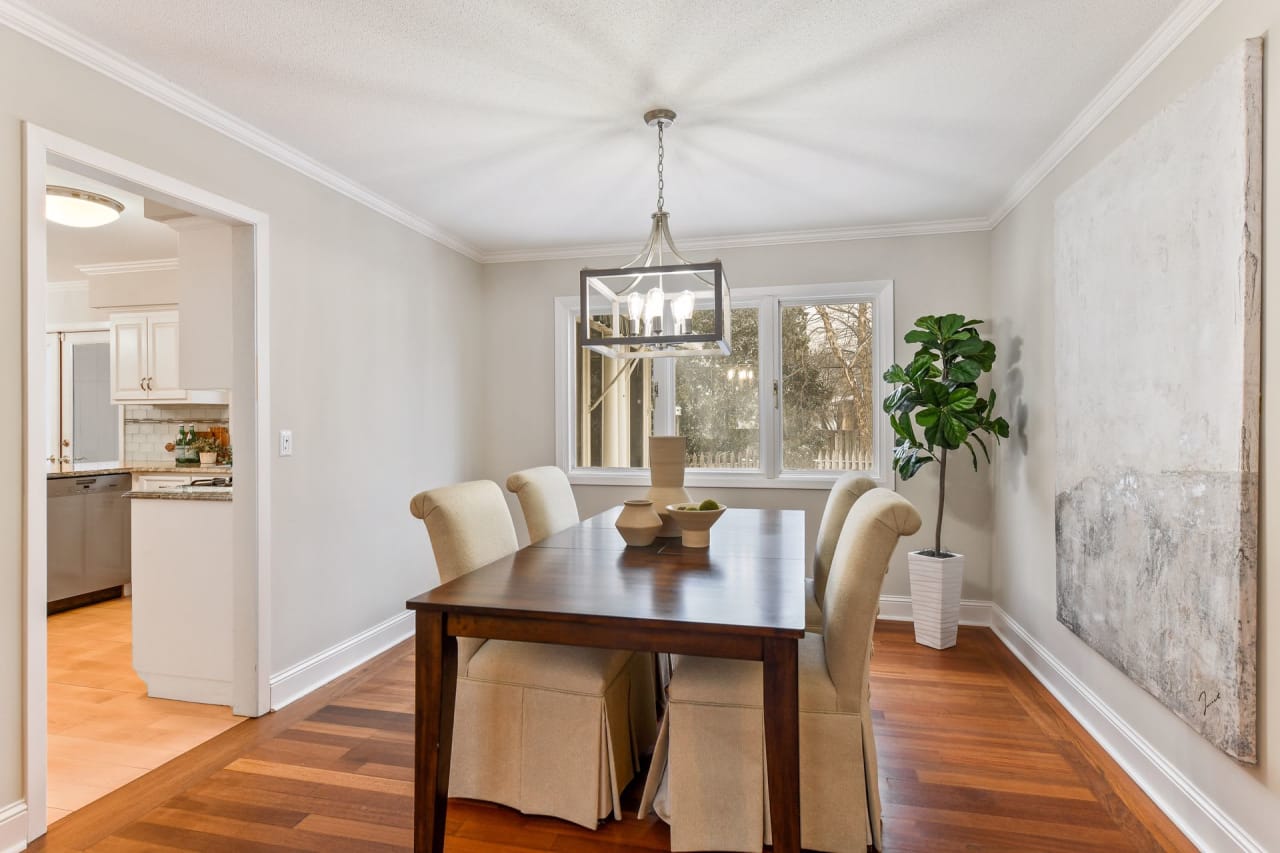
(182, 613)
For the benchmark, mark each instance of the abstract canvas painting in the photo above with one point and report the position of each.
(1156, 292)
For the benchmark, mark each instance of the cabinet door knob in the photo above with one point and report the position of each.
(148, 383)
(142, 384)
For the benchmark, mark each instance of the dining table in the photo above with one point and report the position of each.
(742, 597)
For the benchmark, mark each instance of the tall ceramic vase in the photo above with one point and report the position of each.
(666, 476)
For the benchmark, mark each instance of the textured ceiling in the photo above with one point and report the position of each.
(516, 125)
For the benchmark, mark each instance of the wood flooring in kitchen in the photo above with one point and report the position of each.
(104, 731)
(974, 755)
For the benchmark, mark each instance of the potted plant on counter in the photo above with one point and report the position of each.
(935, 408)
(209, 448)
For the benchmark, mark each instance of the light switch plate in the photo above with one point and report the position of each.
(286, 442)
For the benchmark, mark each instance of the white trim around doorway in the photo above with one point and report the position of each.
(250, 394)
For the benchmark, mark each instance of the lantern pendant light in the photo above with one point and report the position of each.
(660, 304)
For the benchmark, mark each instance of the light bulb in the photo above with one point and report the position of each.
(730, 374)
(635, 310)
(682, 311)
(653, 304)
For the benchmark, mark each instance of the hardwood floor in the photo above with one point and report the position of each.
(974, 755)
(104, 731)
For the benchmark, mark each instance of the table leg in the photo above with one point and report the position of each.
(782, 741)
(436, 676)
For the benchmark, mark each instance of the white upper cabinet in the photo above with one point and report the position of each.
(144, 357)
(162, 354)
(129, 367)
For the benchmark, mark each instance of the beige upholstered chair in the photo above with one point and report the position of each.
(546, 500)
(546, 729)
(843, 495)
(711, 746)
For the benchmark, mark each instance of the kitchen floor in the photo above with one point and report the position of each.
(104, 731)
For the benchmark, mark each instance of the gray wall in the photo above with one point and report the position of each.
(933, 274)
(367, 323)
(1023, 531)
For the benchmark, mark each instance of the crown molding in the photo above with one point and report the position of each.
(68, 286)
(53, 34)
(152, 265)
(739, 241)
(1171, 33)
(56, 36)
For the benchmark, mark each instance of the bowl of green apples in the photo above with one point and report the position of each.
(695, 520)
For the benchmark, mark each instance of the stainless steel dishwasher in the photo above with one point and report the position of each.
(88, 539)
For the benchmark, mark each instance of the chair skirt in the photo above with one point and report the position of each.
(550, 750)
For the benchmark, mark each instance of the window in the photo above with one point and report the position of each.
(795, 404)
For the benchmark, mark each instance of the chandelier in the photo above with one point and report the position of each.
(660, 304)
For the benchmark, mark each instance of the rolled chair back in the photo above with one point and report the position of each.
(843, 495)
(546, 499)
(867, 541)
(469, 527)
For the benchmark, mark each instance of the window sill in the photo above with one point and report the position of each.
(700, 479)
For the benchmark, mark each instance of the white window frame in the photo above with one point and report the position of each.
(770, 302)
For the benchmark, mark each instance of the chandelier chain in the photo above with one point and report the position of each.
(661, 154)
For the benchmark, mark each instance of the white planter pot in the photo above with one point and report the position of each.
(935, 598)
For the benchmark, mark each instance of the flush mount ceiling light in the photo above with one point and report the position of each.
(660, 304)
(79, 208)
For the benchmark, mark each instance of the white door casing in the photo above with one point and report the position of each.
(251, 429)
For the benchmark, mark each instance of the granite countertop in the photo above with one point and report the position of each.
(147, 468)
(183, 493)
(96, 472)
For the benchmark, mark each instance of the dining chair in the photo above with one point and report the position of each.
(710, 762)
(844, 494)
(546, 499)
(545, 729)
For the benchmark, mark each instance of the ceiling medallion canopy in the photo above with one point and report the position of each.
(79, 208)
(660, 304)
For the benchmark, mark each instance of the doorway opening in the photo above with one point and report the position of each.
(145, 557)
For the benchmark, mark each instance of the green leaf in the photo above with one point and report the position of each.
(934, 393)
(968, 347)
(950, 324)
(965, 370)
(986, 355)
(902, 426)
(954, 433)
(916, 336)
(962, 399)
(929, 323)
(1000, 427)
(896, 375)
(972, 455)
(928, 417)
(981, 444)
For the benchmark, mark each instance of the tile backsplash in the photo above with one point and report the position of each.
(147, 429)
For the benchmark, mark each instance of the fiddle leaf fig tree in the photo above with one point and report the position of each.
(935, 406)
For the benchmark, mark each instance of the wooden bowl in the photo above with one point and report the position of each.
(695, 524)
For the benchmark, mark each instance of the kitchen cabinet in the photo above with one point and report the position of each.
(144, 357)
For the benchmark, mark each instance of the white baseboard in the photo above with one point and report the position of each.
(1204, 824)
(897, 608)
(319, 669)
(13, 827)
(205, 691)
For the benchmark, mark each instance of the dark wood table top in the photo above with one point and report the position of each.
(750, 581)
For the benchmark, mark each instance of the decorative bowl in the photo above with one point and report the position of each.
(695, 524)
